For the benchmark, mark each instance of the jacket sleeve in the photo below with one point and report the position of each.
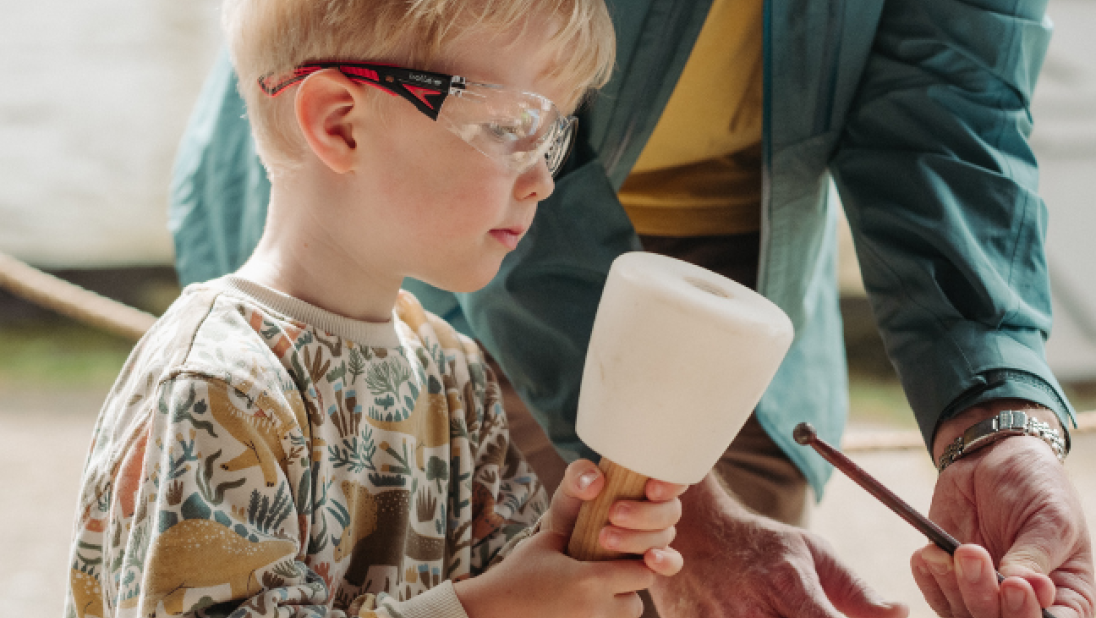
(536, 315)
(939, 184)
(219, 189)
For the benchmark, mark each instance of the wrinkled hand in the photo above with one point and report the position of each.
(1011, 504)
(741, 564)
(538, 580)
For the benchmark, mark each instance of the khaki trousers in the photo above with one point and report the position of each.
(755, 469)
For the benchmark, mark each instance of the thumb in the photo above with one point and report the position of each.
(1029, 559)
(849, 594)
(582, 482)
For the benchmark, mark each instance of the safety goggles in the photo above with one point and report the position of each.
(513, 127)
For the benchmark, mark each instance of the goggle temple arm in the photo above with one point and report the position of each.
(425, 90)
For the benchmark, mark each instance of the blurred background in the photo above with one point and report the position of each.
(96, 95)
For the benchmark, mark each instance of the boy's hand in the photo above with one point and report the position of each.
(540, 581)
(644, 528)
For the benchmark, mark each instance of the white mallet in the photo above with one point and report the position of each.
(678, 359)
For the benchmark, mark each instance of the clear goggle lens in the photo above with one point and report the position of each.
(517, 128)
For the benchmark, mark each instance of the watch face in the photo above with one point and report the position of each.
(985, 440)
(978, 432)
(1005, 424)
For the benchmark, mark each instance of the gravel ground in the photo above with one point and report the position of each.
(44, 437)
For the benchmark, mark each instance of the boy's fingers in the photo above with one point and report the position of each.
(582, 482)
(665, 561)
(630, 604)
(620, 576)
(660, 491)
(642, 515)
(634, 541)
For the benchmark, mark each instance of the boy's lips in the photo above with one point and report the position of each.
(509, 236)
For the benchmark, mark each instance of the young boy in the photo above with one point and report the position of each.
(301, 438)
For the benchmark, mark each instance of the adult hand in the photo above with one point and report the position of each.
(741, 564)
(1011, 505)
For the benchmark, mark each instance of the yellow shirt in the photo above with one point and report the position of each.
(700, 172)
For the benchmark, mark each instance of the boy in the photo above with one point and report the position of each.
(301, 438)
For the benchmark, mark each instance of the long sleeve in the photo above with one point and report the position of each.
(494, 493)
(207, 509)
(220, 515)
(250, 462)
(939, 184)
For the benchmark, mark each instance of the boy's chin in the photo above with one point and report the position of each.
(465, 282)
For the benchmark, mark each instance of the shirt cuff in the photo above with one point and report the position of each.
(439, 602)
(1004, 384)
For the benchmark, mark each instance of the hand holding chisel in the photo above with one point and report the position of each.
(805, 435)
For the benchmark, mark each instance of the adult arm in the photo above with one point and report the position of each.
(939, 184)
(219, 189)
(1026, 523)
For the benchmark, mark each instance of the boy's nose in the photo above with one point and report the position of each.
(535, 183)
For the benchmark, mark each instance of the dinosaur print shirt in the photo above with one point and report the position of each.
(259, 456)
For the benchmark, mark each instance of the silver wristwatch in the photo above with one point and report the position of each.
(1005, 424)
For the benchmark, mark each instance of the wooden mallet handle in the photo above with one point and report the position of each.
(620, 483)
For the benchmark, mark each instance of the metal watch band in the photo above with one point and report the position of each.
(1005, 424)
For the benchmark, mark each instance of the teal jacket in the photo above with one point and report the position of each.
(918, 110)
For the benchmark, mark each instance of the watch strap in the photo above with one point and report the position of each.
(1006, 424)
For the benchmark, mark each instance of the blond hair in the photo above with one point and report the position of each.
(274, 36)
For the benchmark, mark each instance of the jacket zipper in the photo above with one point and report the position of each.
(766, 149)
(835, 24)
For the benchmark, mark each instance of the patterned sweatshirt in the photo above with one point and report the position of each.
(259, 456)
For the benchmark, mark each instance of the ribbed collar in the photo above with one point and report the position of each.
(372, 334)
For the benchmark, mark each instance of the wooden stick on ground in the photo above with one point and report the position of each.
(72, 300)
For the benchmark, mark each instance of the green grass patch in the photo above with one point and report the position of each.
(877, 400)
(59, 354)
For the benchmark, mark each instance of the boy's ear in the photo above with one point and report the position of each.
(325, 108)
